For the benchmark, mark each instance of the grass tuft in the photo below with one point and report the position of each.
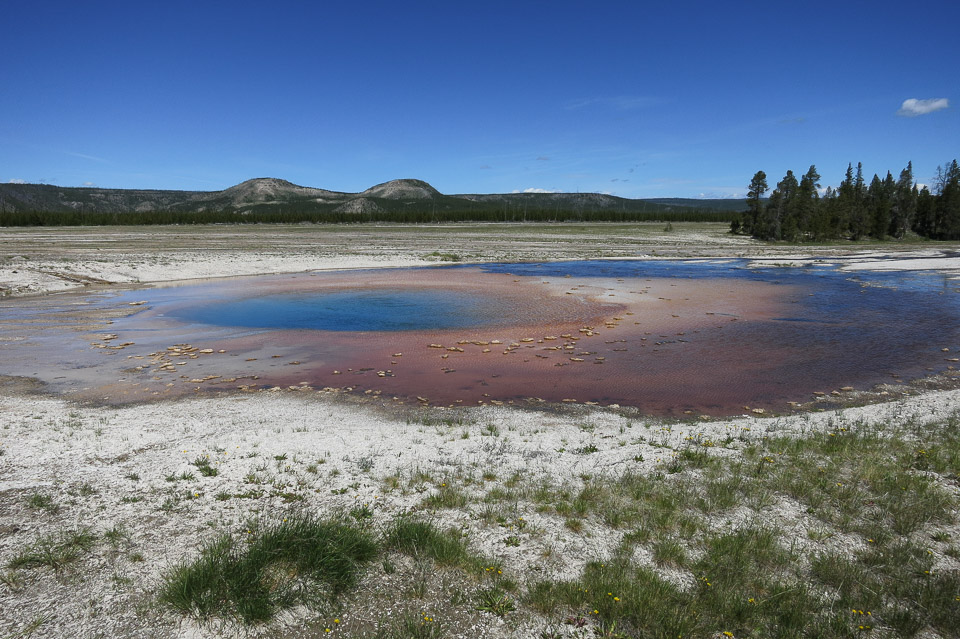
(203, 466)
(251, 580)
(55, 551)
(421, 538)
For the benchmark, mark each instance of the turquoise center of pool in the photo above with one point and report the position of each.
(355, 310)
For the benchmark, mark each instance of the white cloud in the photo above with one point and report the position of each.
(88, 184)
(533, 190)
(17, 181)
(914, 107)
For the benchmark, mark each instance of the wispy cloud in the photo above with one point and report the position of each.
(543, 158)
(89, 184)
(534, 190)
(16, 181)
(913, 107)
(620, 103)
(87, 157)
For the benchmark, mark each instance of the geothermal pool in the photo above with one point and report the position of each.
(667, 336)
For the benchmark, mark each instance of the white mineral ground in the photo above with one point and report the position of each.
(86, 457)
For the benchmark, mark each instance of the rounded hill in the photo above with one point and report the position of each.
(407, 189)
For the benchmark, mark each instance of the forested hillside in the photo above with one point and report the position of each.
(271, 200)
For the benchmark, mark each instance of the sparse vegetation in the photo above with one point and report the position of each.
(55, 551)
(203, 466)
(40, 501)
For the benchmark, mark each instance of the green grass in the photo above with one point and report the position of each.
(40, 501)
(447, 496)
(203, 466)
(251, 577)
(410, 625)
(882, 487)
(421, 538)
(55, 551)
(701, 552)
(278, 567)
(494, 600)
(11, 580)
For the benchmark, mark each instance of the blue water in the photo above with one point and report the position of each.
(892, 310)
(354, 310)
(919, 281)
(834, 329)
(873, 301)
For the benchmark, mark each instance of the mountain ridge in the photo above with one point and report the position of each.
(276, 194)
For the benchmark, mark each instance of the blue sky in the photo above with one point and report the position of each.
(630, 98)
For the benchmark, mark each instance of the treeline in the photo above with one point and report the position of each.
(293, 215)
(888, 207)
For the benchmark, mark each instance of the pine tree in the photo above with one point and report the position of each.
(948, 208)
(879, 203)
(840, 221)
(859, 220)
(807, 202)
(925, 219)
(780, 213)
(755, 191)
(825, 222)
(904, 203)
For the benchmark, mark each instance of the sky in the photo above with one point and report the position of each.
(636, 99)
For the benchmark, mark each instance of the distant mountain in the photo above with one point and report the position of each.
(260, 190)
(403, 190)
(273, 198)
(720, 204)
